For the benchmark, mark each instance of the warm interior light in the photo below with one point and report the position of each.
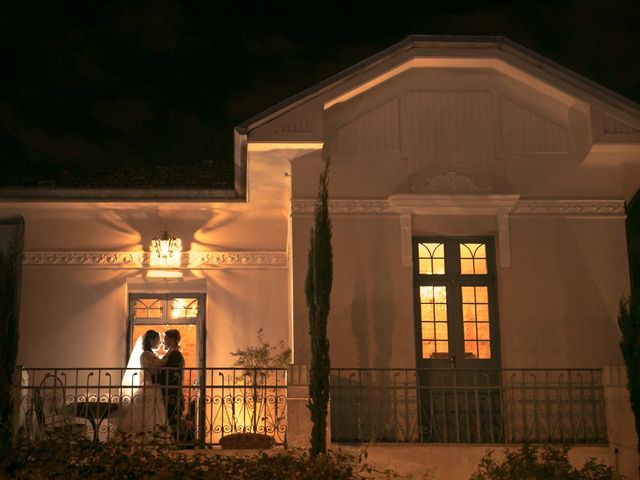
(166, 251)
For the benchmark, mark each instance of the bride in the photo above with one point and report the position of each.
(143, 412)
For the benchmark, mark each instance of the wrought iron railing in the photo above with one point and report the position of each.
(467, 406)
(209, 404)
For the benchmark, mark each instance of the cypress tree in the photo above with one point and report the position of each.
(318, 291)
(629, 322)
(10, 273)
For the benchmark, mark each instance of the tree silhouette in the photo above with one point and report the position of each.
(318, 291)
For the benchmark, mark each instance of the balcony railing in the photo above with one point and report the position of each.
(209, 404)
(385, 405)
(467, 406)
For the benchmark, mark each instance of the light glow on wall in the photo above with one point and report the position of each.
(164, 274)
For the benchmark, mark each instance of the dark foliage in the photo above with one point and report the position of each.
(78, 458)
(318, 291)
(534, 463)
(629, 322)
(10, 272)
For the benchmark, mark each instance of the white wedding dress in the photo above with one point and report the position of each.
(142, 413)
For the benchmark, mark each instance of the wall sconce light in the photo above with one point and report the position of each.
(166, 251)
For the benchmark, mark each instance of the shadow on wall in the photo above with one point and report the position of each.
(586, 318)
(145, 223)
(373, 312)
(384, 310)
(366, 408)
(359, 315)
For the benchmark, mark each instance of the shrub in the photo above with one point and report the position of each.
(264, 355)
(534, 463)
(629, 323)
(68, 457)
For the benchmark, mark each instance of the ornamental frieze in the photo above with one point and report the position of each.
(138, 259)
(537, 207)
(570, 207)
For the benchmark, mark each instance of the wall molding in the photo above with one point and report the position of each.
(344, 207)
(570, 207)
(438, 204)
(503, 207)
(196, 260)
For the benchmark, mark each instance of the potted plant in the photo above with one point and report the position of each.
(255, 417)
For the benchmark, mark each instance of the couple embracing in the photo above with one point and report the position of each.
(151, 396)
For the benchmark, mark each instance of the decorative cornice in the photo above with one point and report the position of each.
(345, 207)
(235, 259)
(464, 204)
(131, 259)
(570, 207)
(199, 260)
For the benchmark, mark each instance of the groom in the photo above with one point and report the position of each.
(170, 380)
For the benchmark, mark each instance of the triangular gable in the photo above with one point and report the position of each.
(496, 53)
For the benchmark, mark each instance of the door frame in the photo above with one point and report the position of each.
(201, 321)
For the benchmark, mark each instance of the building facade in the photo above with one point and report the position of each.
(477, 195)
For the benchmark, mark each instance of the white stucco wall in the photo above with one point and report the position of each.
(75, 312)
(492, 134)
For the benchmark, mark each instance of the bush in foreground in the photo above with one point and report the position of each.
(67, 458)
(534, 463)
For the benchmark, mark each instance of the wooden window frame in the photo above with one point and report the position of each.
(453, 280)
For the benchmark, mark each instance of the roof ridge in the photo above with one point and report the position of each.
(536, 60)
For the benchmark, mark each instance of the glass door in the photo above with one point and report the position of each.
(183, 312)
(457, 338)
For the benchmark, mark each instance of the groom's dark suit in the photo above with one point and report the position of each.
(170, 381)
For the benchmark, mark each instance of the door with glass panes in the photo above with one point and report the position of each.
(457, 347)
(183, 312)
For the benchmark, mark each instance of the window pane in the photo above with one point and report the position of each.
(433, 310)
(484, 350)
(468, 295)
(473, 259)
(483, 331)
(482, 312)
(148, 308)
(468, 312)
(184, 308)
(440, 294)
(466, 266)
(442, 348)
(441, 331)
(427, 312)
(438, 266)
(475, 312)
(426, 294)
(441, 312)
(425, 266)
(470, 331)
(470, 350)
(482, 295)
(428, 349)
(431, 258)
(480, 266)
(427, 331)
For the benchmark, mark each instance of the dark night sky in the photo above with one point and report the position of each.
(130, 94)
